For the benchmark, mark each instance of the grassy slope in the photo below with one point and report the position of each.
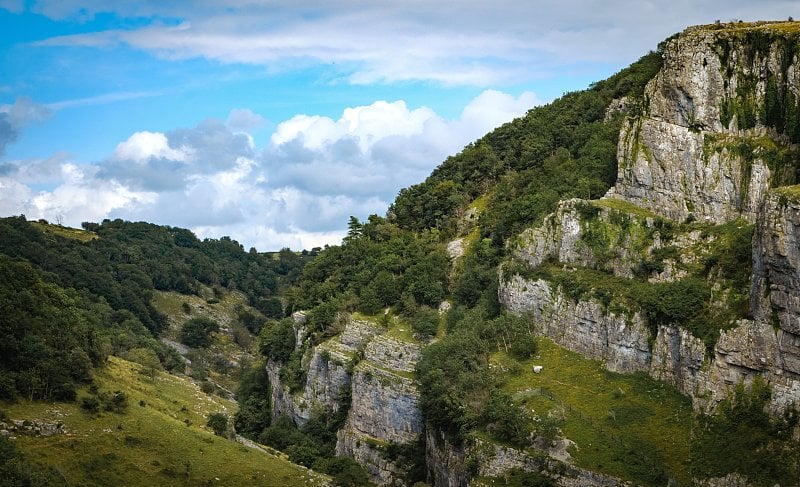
(66, 232)
(223, 311)
(622, 425)
(165, 442)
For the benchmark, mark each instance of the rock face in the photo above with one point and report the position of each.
(454, 465)
(385, 407)
(776, 285)
(375, 372)
(604, 234)
(751, 348)
(327, 377)
(683, 154)
(708, 141)
(705, 143)
(582, 326)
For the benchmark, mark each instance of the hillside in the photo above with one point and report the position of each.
(645, 223)
(159, 437)
(603, 292)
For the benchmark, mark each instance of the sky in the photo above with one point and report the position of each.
(273, 121)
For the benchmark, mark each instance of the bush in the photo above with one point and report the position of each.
(90, 404)
(345, 471)
(218, 423)
(278, 340)
(197, 332)
(116, 402)
(425, 321)
(524, 346)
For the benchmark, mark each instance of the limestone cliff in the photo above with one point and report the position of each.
(711, 137)
(375, 372)
(714, 136)
(716, 130)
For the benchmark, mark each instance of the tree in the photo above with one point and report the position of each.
(218, 423)
(354, 229)
(197, 332)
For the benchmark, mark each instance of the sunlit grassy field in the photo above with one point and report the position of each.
(161, 439)
(628, 426)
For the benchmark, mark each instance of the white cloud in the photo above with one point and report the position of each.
(78, 197)
(474, 42)
(142, 146)
(243, 119)
(298, 191)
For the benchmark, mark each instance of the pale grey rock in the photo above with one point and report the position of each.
(447, 463)
(393, 353)
(629, 238)
(300, 324)
(665, 159)
(749, 349)
(454, 465)
(326, 377)
(384, 405)
(385, 408)
(619, 340)
(678, 358)
(455, 248)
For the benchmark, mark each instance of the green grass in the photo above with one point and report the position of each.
(628, 426)
(397, 327)
(164, 442)
(625, 207)
(66, 232)
(223, 312)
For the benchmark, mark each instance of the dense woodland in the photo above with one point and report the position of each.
(69, 303)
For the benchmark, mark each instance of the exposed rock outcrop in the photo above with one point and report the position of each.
(370, 372)
(385, 407)
(697, 148)
(454, 465)
(581, 326)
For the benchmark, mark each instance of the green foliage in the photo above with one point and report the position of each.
(253, 396)
(52, 338)
(425, 322)
(70, 302)
(520, 478)
(685, 302)
(777, 107)
(476, 282)
(454, 383)
(345, 471)
(314, 443)
(506, 421)
(277, 340)
(379, 267)
(218, 422)
(196, 332)
(742, 437)
(560, 150)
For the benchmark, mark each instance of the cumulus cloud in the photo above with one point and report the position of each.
(298, 191)
(79, 196)
(243, 119)
(15, 116)
(380, 148)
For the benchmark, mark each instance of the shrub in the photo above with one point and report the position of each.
(425, 321)
(197, 331)
(218, 423)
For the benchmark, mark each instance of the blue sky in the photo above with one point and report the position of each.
(273, 121)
